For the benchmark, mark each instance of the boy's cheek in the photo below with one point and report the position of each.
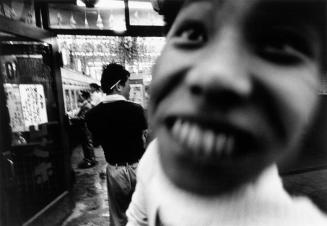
(171, 61)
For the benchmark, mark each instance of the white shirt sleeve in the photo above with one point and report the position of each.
(137, 212)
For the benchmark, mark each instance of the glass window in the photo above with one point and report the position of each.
(137, 54)
(67, 101)
(28, 84)
(106, 15)
(109, 16)
(73, 99)
(18, 10)
(142, 13)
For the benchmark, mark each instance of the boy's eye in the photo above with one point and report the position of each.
(282, 47)
(190, 35)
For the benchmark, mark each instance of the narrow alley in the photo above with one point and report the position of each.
(89, 193)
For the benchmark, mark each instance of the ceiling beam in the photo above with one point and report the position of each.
(55, 1)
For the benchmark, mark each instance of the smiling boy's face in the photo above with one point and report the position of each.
(234, 88)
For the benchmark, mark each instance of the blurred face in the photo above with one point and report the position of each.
(233, 90)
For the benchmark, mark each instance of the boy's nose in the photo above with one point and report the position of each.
(220, 73)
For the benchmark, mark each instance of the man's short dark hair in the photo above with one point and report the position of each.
(95, 86)
(113, 74)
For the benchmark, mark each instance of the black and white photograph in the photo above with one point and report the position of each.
(163, 112)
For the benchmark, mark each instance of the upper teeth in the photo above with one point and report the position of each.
(203, 142)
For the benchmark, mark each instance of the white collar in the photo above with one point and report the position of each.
(112, 98)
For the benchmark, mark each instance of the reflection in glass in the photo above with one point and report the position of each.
(67, 101)
(142, 13)
(110, 16)
(18, 10)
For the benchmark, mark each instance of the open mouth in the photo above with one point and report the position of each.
(211, 141)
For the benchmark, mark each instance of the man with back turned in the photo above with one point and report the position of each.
(118, 125)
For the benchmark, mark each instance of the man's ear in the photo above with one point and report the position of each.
(119, 87)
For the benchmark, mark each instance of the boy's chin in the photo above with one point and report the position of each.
(209, 179)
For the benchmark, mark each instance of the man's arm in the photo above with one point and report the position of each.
(144, 126)
(90, 120)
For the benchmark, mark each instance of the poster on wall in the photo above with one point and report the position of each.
(14, 105)
(33, 104)
(136, 94)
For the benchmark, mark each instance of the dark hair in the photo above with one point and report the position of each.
(85, 94)
(169, 9)
(95, 86)
(113, 73)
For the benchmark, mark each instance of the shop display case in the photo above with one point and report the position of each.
(78, 17)
(34, 156)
